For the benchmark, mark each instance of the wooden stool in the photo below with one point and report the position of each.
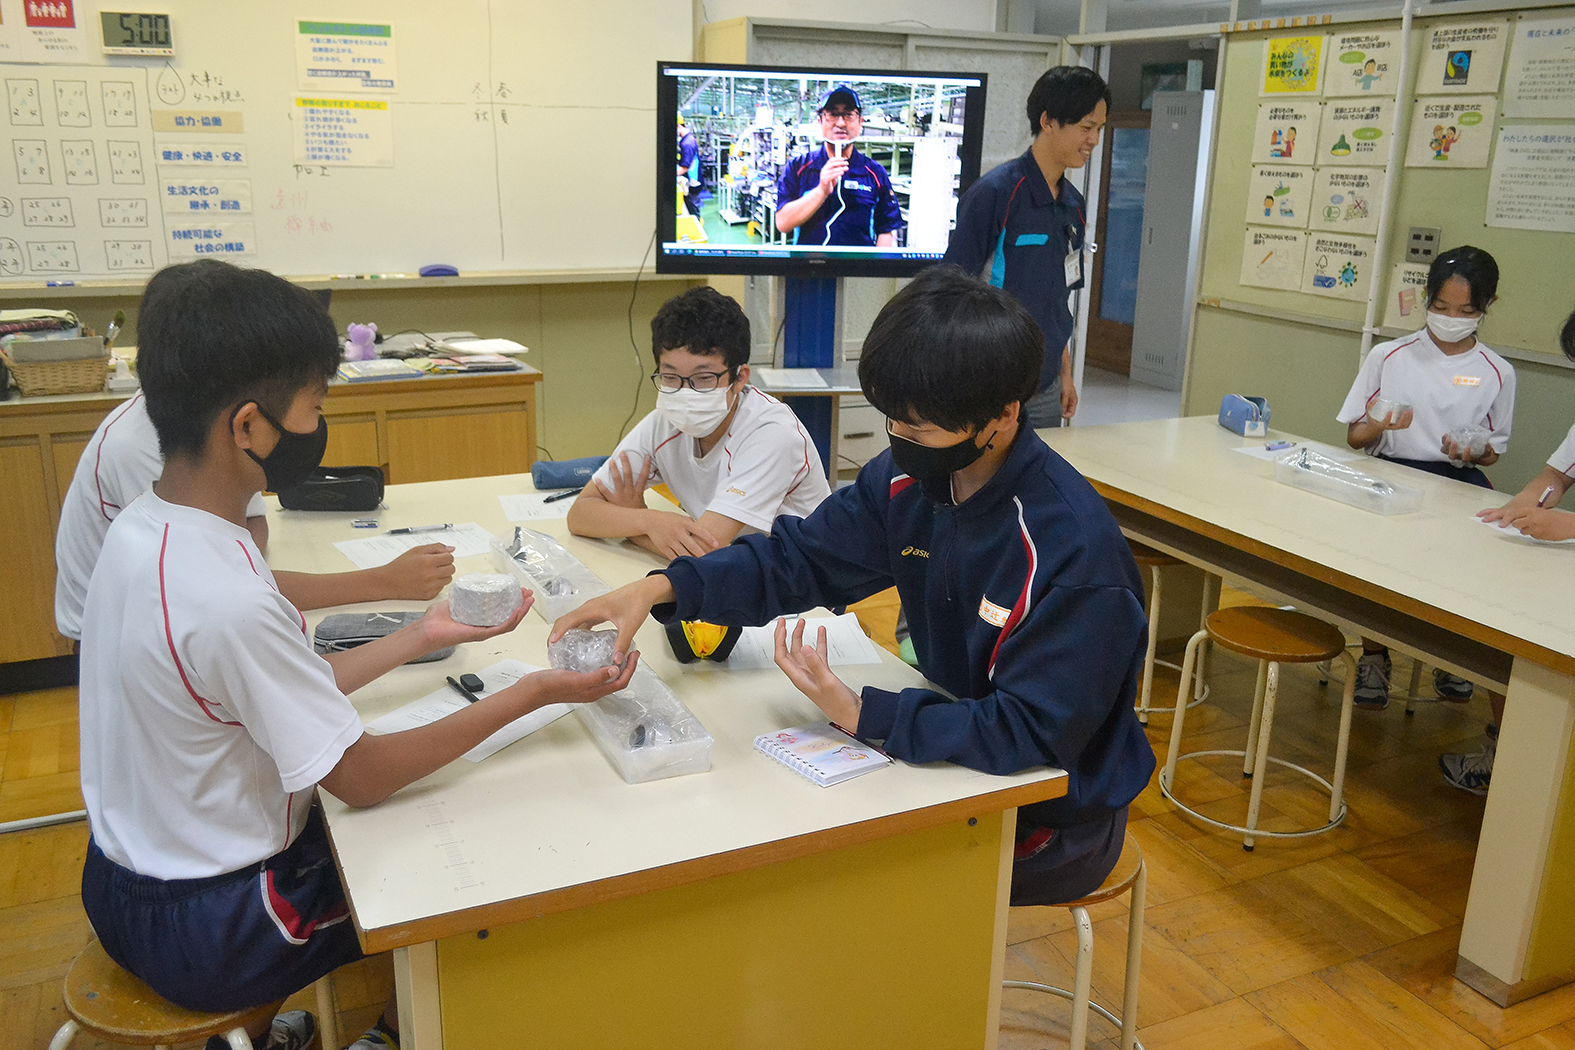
(1130, 873)
(1272, 637)
(1154, 560)
(109, 1003)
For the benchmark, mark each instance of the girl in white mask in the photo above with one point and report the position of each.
(1445, 377)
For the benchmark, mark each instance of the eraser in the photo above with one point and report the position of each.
(439, 270)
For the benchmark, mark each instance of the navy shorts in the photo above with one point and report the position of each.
(1471, 475)
(230, 942)
(1056, 865)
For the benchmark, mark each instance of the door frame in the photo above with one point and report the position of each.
(1109, 343)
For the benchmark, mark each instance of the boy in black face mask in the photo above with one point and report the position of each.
(207, 720)
(1021, 592)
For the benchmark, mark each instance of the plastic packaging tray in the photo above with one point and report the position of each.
(1321, 475)
(646, 731)
(559, 580)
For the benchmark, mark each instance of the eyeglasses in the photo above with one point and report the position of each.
(840, 118)
(703, 382)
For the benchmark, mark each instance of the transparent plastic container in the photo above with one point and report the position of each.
(646, 731)
(1382, 409)
(559, 580)
(1306, 469)
(1472, 439)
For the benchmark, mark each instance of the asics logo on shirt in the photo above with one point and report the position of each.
(914, 552)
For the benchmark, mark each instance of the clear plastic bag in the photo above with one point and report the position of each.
(1306, 469)
(646, 731)
(1472, 440)
(559, 580)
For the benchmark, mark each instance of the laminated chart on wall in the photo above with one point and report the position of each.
(345, 56)
(1338, 265)
(1363, 63)
(344, 132)
(1406, 304)
(1287, 132)
(1292, 66)
(1273, 259)
(1462, 57)
(1279, 196)
(1451, 132)
(1355, 132)
(206, 198)
(1346, 199)
(79, 197)
(1540, 78)
(45, 31)
(1532, 184)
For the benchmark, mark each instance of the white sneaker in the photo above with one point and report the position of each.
(291, 1030)
(1372, 680)
(1472, 772)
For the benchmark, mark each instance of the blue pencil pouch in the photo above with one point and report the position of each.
(565, 474)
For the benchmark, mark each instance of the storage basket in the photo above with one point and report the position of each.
(37, 378)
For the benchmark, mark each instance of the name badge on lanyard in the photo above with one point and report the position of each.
(1074, 267)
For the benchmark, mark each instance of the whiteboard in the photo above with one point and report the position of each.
(522, 135)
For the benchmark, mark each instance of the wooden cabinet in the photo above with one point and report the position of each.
(415, 429)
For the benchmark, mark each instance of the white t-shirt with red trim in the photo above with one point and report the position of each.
(1563, 458)
(1444, 391)
(764, 466)
(120, 463)
(206, 717)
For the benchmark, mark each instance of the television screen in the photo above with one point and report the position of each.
(811, 172)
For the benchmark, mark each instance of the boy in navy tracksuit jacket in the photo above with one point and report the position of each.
(1021, 592)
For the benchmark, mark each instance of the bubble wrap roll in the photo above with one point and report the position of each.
(484, 599)
(581, 650)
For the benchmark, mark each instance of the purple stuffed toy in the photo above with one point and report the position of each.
(361, 346)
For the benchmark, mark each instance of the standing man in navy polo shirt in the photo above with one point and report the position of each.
(1021, 226)
(834, 194)
(689, 166)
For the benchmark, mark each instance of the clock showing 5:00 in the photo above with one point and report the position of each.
(130, 33)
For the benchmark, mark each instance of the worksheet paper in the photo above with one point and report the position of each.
(845, 640)
(1510, 532)
(796, 378)
(532, 506)
(447, 700)
(468, 540)
(1339, 455)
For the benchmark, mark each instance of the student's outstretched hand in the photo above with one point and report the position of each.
(677, 535)
(1544, 524)
(420, 573)
(807, 668)
(628, 484)
(626, 608)
(442, 630)
(583, 687)
(1515, 508)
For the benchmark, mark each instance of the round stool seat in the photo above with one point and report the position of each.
(1275, 634)
(113, 1005)
(1145, 555)
(1120, 879)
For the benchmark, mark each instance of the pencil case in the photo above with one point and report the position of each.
(343, 631)
(565, 474)
(347, 489)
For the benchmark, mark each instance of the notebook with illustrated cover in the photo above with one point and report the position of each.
(821, 752)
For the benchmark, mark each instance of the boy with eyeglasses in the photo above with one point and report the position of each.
(733, 457)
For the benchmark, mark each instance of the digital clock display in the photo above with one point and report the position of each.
(128, 33)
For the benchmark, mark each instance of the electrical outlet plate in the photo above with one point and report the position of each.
(1421, 245)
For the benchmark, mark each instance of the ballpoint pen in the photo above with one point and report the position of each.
(1542, 499)
(561, 495)
(418, 528)
(466, 693)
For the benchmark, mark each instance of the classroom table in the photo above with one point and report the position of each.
(536, 893)
(1439, 583)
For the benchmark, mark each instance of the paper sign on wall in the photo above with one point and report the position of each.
(1292, 65)
(1287, 132)
(1541, 78)
(1346, 199)
(1363, 64)
(1278, 196)
(1451, 132)
(348, 132)
(1356, 132)
(1338, 266)
(1530, 187)
(1406, 305)
(1466, 56)
(1273, 259)
(345, 56)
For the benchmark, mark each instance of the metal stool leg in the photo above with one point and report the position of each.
(1129, 998)
(327, 1014)
(1187, 664)
(1211, 598)
(64, 1035)
(1083, 981)
(1416, 684)
(238, 1039)
(1251, 749)
(1342, 747)
(1153, 643)
(1261, 764)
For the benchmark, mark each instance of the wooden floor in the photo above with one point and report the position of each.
(1342, 942)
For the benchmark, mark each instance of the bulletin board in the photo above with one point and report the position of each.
(333, 137)
(1488, 141)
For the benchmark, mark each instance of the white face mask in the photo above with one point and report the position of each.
(1451, 329)
(693, 412)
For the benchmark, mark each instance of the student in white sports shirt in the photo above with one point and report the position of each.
(734, 458)
(208, 722)
(122, 461)
(1449, 378)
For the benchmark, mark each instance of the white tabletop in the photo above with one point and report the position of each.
(1441, 557)
(838, 381)
(550, 813)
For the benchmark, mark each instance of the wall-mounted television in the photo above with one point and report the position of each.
(811, 171)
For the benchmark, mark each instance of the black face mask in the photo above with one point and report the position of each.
(295, 456)
(933, 467)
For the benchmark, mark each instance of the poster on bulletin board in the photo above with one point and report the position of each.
(1273, 259)
(1292, 65)
(1466, 56)
(1363, 64)
(1531, 187)
(1406, 305)
(1451, 132)
(1338, 265)
(1346, 199)
(1287, 132)
(1355, 132)
(1540, 81)
(1278, 196)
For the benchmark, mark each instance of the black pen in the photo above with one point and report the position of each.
(419, 528)
(466, 693)
(561, 495)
